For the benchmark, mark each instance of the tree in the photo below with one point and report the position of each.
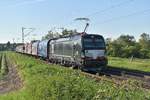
(126, 40)
(144, 41)
(8, 46)
(124, 46)
(51, 35)
(68, 32)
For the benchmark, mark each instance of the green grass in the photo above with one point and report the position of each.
(135, 64)
(52, 82)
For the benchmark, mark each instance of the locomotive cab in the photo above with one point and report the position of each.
(93, 52)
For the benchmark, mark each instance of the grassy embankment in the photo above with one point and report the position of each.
(135, 64)
(53, 82)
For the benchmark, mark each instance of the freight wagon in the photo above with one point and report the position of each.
(35, 48)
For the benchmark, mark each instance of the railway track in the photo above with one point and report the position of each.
(118, 75)
(138, 75)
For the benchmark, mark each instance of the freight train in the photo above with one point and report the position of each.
(84, 51)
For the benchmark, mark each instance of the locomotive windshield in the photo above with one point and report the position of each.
(93, 42)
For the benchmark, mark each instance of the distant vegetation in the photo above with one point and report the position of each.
(52, 34)
(126, 46)
(8, 46)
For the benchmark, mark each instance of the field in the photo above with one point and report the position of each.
(43, 81)
(135, 64)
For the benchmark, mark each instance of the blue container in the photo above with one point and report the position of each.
(43, 48)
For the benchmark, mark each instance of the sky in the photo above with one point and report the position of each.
(109, 18)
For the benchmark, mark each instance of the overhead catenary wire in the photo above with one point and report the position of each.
(106, 9)
(111, 7)
(124, 16)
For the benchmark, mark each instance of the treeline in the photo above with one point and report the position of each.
(127, 46)
(8, 46)
(52, 34)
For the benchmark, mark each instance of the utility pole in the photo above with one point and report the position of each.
(24, 35)
(23, 38)
(13, 40)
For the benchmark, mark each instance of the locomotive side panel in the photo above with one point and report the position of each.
(66, 50)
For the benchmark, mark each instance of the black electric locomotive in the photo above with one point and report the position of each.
(85, 51)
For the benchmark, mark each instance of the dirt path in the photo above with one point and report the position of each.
(11, 81)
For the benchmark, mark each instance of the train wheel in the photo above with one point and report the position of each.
(104, 68)
(73, 66)
(98, 73)
(79, 67)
